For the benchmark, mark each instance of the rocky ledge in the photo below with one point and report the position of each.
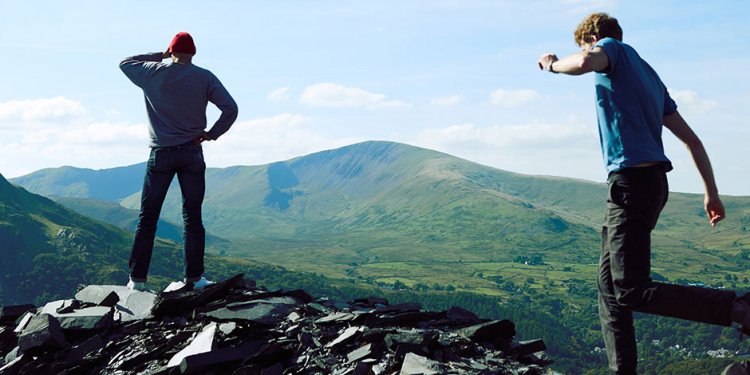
(234, 327)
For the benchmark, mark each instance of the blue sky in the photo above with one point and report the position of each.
(457, 76)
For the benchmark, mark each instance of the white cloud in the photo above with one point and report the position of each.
(506, 98)
(540, 149)
(269, 139)
(689, 102)
(281, 94)
(93, 145)
(56, 108)
(337, 96)
(507, 136)
(446, 101)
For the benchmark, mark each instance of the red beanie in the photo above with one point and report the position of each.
(182, 43)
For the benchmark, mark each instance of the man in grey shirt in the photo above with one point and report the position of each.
(177, 95)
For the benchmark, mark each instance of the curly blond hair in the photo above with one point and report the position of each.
(599, 26)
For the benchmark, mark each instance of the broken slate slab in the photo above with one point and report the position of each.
(14, 367)
(202, 343)
(52, 307)
(345, 336)
(336, 317)
(418, 365)
(43, 331)
(490, 331)
(79, 351)
(100, 295)
(181, 302)
(202, 363)
(12, 355)
(419, 338)
(89, 318)
(266, 311)
(24, 322)
(134, 305)
(366, 351)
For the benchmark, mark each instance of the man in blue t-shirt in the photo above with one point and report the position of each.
(632, 107)
(176, 95)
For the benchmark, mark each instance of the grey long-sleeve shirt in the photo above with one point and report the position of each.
(176, 99)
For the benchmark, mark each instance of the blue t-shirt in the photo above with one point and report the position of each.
(631, 103)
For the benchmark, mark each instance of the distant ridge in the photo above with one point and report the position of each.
(361, 211)
(104, 184)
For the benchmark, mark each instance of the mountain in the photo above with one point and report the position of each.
(48, 249)
(125, 218)
(383, 212)
(428, 226)
(106, 184)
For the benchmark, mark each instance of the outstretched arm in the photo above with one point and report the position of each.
(677, 125)
(576, 64)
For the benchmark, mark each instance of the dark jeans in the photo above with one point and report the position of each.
(187, 162)
(635, 200)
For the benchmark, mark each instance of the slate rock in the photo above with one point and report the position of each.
(345, 337)
(15, 366)
(418, 338)
(266, 311)
(9, 314)
(261, 331)
(219, 358)
(12, 355)
(490, 331)
(23, 322)
(418, 365)
(134, 305)
(68, 306)
(43, 331)
(181, 302)
(89, 318)
(202, 343)
(100, 295)
(336, 317)
(360, 353)
(79, 351)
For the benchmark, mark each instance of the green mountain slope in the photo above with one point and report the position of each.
(48, 250)
(106, 184)
(381, 212)
(125, 218)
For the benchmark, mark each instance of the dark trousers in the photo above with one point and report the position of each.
(635, 200)
(186, 161)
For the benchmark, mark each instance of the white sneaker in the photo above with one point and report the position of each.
(137, 285)
(202, 283)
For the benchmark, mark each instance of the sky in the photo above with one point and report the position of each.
(456, 76)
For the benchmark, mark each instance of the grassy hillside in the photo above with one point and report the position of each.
(48, 250)
(429, 227)
(383, 212)
(106, 184)
(125, 218)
